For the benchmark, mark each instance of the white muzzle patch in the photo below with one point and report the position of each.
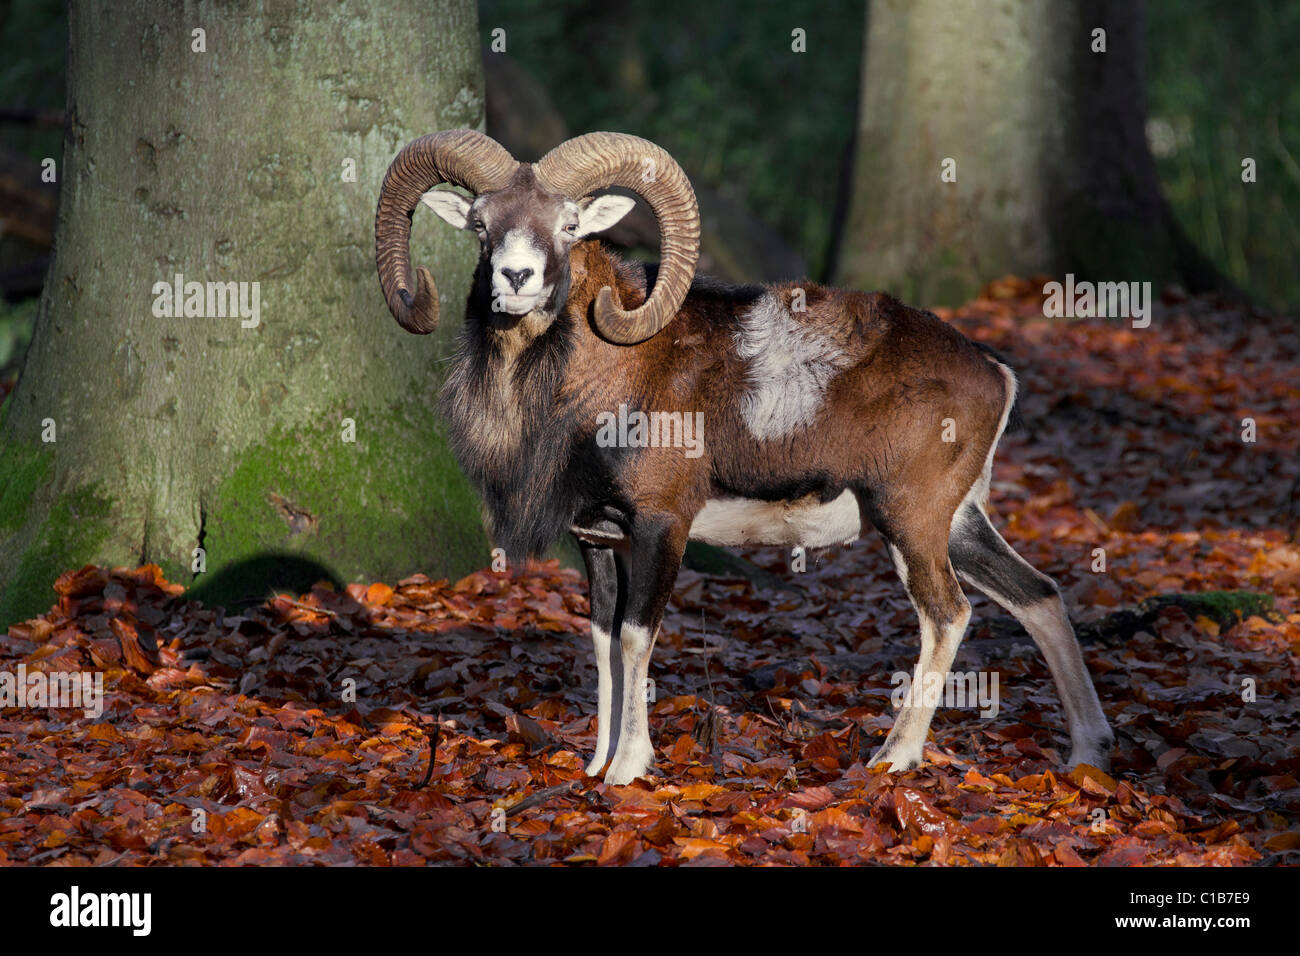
(518, 271)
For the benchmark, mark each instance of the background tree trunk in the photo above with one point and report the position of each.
(1052, 165)
(229, 165)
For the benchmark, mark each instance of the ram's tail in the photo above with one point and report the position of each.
(1015, 421)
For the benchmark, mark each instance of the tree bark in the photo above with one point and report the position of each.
(1053, 172)
(230, 165)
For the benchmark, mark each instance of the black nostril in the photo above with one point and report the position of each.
(516, 277)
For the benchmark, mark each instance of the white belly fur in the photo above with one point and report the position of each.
(806, 522)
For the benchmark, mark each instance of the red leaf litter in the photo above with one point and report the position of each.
(298, 732)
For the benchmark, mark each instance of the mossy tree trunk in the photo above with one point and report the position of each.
(233, 164)
(1047, 138)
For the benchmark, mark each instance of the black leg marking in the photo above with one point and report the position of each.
(981, 557)
(979, 554)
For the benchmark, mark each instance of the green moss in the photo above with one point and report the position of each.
(391, 503)
(173, 570)
(1223, 607)
(76, 525)
(23, 471)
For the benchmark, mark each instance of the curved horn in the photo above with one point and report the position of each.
(462, 157)
(585, 163)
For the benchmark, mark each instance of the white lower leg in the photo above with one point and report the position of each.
(604, 699)
(904, 748)
(1048, 624)
(633, 752)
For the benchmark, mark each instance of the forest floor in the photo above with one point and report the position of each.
(234, 738)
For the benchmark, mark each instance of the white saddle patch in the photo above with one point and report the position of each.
(737, 521)
(790, 366)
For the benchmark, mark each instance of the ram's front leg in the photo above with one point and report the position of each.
(651, 559)
(606, 613)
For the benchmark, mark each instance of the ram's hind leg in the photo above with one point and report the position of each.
(921, 557)
(986, 561)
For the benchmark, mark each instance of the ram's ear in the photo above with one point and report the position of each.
(598, 213)
(451, 206)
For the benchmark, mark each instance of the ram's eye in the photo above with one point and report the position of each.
(571, 228)
(477, 225)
